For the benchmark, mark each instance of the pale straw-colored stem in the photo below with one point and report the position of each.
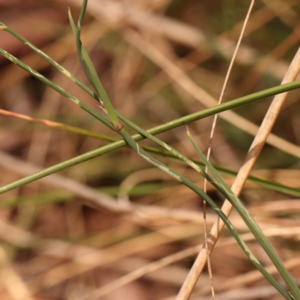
(212, 132)
(241, 178)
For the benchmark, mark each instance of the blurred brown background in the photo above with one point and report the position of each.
(154, 59)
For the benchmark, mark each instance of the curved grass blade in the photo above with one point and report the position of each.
(222, 186)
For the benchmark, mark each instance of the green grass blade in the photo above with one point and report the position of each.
(252, 225)
(57, 88)
(82, 62)
(198, 191)
(90, 70)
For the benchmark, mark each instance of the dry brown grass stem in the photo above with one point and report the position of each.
(15, 288)
(242, 176)
(212, 132)
(241, 280)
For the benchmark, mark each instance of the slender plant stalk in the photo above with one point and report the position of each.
(213, 126)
